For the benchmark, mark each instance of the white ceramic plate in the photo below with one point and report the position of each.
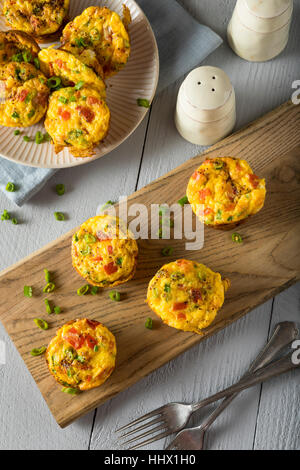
(138, 79)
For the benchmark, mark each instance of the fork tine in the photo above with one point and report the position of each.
(146, 433)
(142, 418)
(153, 439)
(144, 426)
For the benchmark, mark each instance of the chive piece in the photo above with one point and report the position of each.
(167, 251)
(47, 137)
(59, 216)
(38, 351)
(28, 291)
(149, 323)
(47, 276)
(96, 348)
(31, 113)
(42, 324)
(94, 290)
(26, 138)
(119, 261)
(76, 237)
(86, 251)
(17, 132)
(63, 99)
(54, 82)
(27, 56)
(57, 310)
(80, 42)
(15, 115)
(115, 295)
(83, 290)
(5, 215)
(39, 138)
(108, 203)
(143, 102)
(184, 200)
(14, 221)
(60, 189)
(49, 287)
(167, 288)
(230, 218)
(48, 306)
(236, 237)
(36, 63)
(10, 187)
(89, 238)
(70, 390)
(79, 85)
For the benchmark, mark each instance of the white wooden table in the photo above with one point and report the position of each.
(265, 417)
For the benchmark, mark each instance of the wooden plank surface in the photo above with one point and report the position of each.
(258, 270)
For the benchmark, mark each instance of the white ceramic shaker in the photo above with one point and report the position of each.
(205, 110)
(259, 29)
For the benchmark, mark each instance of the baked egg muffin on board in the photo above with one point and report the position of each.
(104, 251)
(186, 295)
(102, 31)
(71, 71)
(224, 191)
(77, 119)
(82, 355)
(36, 17)
(16, 46)
(25, 94)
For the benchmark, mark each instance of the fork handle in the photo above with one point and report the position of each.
(278, 367)
(284, 333)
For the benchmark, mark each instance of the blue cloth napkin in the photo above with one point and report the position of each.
(183, 44)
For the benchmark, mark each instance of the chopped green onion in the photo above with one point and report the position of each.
(15, 115)
(27, 56)
(108, 203)
(119, 261)
(28, 291)
(167, 288)
(39, 138)
(230, 218)
(167, 251)
(143, 102)
(59, 216)
(54, 82)
(149, 323)
(236, 237)
(38, 351)
(96, 348)
(89, 238)
(37, 63)
(115, 295)
(184, 200)
(63, 99)
(49, 287)
(17, 132)
(60, 189)
(31, 113)
(86, 251)
(17, 57)
(10, 187)
(70, 390)
(83, 290)
(14, 221)
(48, 306)
(79, 85)
(47, 276)
(57, 310)
(42, 324)
(94, 290)
(76, 237)
(47, 137)
(26, 138)
(80, 42)
(5, 215)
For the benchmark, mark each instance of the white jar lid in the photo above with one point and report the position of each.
(206, 94)
(264, 16)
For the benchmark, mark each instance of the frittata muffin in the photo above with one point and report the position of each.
(77, 119)
(69, 69)
(224, 191)
(36, 17)
(16, 46)
(104, 252)
(24, 94)
(186, 295)
(82, 355)
(102, 31)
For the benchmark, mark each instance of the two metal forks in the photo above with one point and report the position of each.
(173, 417)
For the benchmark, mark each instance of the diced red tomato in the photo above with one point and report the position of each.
(98, 258)
(238, 166)
(230, 207)
(110, 249)
(181, 316)
(74, 338)
(64, 114)
(196, 295)
(110, 268)
(60, 64)
(86, 112)
(91, 342)
(179, 306)
(93, 100)
(93, 323)
(23, 94)
(254, 180)
(88, 378)
(203, 193)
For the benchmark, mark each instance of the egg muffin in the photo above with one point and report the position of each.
(104, 252)
(102, 31)
(36, 17)
(69, 69)
(24, 95)
(82, 355)
(186, 295)
(77, 119)
(224, 191)
(16, 46)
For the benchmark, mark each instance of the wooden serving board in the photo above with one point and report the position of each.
(267, 262)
